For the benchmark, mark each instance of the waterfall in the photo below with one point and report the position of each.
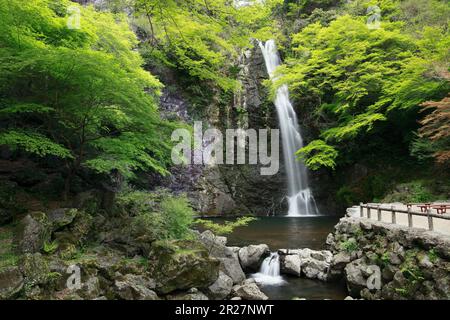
(269, 273)
(300, 198)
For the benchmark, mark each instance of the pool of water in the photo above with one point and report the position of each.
(291, 233)
(284, 232)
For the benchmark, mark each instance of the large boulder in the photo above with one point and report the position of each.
(249, 290)
(360, 276)
(338, 263)
(181, 265)
(252, 256)
(221, 288)
(292, 264)
(312, 264)
(60, 218)
(90, 289)
(11, 282)
(76, 231)
(32, 231)
(135, 287)
(229, 264)
(228, 256)
(36, 271)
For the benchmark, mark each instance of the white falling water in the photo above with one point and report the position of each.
(269, 273)
(300, 198)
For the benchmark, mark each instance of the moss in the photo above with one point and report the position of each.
(8, 257)
(350, 245)
(432, 255)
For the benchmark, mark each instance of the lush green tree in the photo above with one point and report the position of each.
(202, 37)
(368, 81)
(80, 95)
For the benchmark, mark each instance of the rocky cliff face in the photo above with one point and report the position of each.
(228, 189)
(386, 261)
(252, 192)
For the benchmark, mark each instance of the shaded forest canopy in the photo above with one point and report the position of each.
(83, 103)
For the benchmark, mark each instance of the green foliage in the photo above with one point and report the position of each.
(50, 247)
(157, 216)
(8, 257)
(80, 95)
(226, 227)
(350, 245)
(385, 258)
(33, 143)
(369, 83)
(149, 226)
(412, 192)
(201, 37)
(433, 256)
(346, 196)
(179, 216)
(318, 154)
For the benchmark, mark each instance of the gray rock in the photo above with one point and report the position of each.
(35, 269)
(365, 224)
(181, 265)
(394, 258)
(291, 264)
(230, 265)
(32, 232)
(134, 287)
(249, 291)
(252, 256)
(62, 217)
(424, 261)
(388, 273)
(11, 282)
(341, 259)
(90, 289)
(355, 278)
(221, 288)
(315, 269)
(228, 256)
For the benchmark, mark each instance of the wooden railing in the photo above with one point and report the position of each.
(379, 208)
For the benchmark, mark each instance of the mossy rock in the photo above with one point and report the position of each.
(8, 256)
(62, 217)
(180, 265)
(34, 268)
(32, 231)
(11, 282)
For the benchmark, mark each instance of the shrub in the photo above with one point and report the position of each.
(178, 216)
(350, 245)
(346, 196)
(148, 226)
(157, 216)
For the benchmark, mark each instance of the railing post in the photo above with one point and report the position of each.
(368, 211)
(361, 212)
(394, 218)
(410, 218)
(379, 213)
(430, 220)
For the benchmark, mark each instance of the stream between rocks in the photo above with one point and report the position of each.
(291, 233)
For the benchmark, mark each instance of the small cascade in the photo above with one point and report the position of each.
(269, 273)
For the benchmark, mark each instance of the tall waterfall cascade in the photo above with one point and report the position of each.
(300, 197)
(269, 273)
